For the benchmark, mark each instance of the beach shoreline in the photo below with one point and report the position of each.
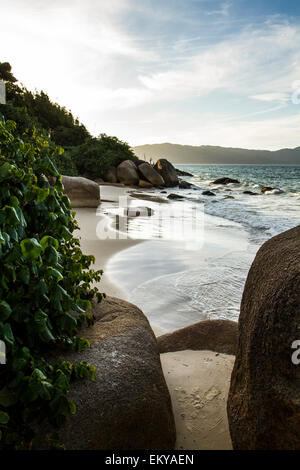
(198, 381)
(104, 249)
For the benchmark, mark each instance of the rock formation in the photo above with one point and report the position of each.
(111, 175)
(167, 171)
(127, 173)
(212, 335)
(128, 406)
(225, 181)
(82, 192)
(150, 174)
(264, 397)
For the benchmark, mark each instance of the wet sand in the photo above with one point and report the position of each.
(198, 381)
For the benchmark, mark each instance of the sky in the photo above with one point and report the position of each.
(192, 72)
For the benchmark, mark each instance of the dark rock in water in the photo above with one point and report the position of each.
(127, 173)
(150, 174)
(184, 184)
(264, 397)
(208, 193)
(163, 192)
(264, 189)
(212, 335)
(138, 211)
(250, 193)
(167, 171)
(128, 406)
(228, 197)
(175, 196)
(149, 197)
(182, 173)
(225, 181)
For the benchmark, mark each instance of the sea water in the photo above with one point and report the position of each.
(178, 283)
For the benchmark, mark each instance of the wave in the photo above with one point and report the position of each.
(212, 291)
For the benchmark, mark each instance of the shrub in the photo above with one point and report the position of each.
(45, 289)
(94, 157)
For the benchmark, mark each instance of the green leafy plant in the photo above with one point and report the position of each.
(96, 155)
(45, 289)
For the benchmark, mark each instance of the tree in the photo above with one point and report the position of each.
(5, 73)
(95, 156)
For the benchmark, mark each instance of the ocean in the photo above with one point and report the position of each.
(263, 216)
(177, 283)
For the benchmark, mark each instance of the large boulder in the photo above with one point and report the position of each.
(82, 192)
(127, 173)
(128, 406)
(212, 335)
(167, 171)
(110, 175)
(150, 174)
(264, 397)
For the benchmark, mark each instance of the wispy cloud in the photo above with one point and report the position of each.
(264, 62)
(223, 10)
(119, 63)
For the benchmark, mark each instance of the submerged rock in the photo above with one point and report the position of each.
(267, 189)
(208, 193)
(175, 196)
(264, 189)
(225, 181)
(184, 184)
(250, 193)
(82, 192)
(264, 397)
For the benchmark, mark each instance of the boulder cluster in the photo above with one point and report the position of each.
(143, 174)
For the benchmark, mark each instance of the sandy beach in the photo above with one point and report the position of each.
(198, 381)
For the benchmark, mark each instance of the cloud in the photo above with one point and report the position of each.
(271, 133)
(111, 65)
(223, 11)
(263, 63)
(271, 97)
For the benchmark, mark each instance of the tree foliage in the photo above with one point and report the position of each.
(45, 288)
(5, 73)
(95, 156)
(83, 154)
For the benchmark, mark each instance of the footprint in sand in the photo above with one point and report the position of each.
(212, 393)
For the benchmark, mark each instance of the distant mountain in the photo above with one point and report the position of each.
(208, 154)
